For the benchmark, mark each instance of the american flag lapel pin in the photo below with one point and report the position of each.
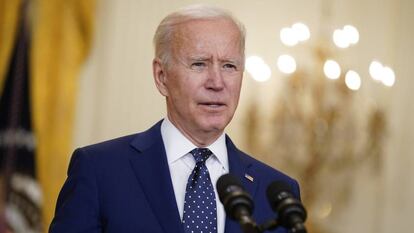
(249, 177)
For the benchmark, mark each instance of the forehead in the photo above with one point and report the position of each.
(205, 34)
(215, 24)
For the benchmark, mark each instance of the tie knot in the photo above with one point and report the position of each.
(201, 154)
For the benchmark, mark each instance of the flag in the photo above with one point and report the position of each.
(21, 194)
(60, 38)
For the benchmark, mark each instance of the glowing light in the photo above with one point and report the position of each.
(382, 73)
(345, 37)
(286, 64)
(375, 70)
(288, 37)
(291, 36)
(352, 80)
(301, 31)
(258, 68)
(388, 78)
(331, 69)
(340, 39)
(351, 33)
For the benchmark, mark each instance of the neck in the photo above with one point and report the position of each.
(198, 138)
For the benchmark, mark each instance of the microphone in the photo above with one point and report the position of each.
(237, 203)
(291, 213)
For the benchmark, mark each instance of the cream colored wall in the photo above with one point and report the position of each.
(117, 95)
(399, 176)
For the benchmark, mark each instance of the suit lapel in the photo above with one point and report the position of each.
(151, 169)
(241, 169)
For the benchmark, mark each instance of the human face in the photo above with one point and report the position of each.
(203, 78)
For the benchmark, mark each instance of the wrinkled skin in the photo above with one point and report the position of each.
(203, 78)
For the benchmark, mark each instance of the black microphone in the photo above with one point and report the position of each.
(237, 203)
(291, 213)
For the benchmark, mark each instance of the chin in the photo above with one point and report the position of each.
(218, 125)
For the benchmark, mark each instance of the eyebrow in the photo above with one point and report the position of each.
(235, 61)
(199, 58)
(205, 58)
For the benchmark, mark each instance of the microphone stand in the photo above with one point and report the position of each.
(248, 225)
(267, 226)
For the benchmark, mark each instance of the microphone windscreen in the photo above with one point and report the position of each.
(276, 192)
(224, 183)
(237, 202)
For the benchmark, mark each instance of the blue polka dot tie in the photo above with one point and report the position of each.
(200, 213)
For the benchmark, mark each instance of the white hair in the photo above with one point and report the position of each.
(164, 33)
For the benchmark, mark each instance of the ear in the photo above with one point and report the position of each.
(159, 74)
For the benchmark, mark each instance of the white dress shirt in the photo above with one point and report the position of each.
(181, 163)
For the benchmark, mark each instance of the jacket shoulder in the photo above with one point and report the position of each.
(125, 144)
(268, 174)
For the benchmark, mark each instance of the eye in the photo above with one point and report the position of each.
(229, 66)
(198, 65)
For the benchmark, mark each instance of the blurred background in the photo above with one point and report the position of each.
(326, 98)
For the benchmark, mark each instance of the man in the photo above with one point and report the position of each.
(147, 182)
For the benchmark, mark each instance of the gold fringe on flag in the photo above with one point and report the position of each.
(9, 15)
(61, 40)
(61, 33)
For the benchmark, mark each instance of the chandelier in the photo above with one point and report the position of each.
(320, 128)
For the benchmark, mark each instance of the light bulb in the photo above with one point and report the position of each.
(302, 31)
(331, 69)
(388, 78)
(286, 64)
(351, 33)
(288, 37)
(258, 69)
(375, 70)
(352, 80)
(340, 39)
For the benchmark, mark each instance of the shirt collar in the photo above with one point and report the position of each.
(177, 145)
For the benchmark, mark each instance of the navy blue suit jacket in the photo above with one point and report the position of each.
(124, 186)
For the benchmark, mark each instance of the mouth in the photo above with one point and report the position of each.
(213, 105)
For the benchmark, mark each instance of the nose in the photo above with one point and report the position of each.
(215, 79)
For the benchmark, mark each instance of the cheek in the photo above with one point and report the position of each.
(183, 97)
(235, 91)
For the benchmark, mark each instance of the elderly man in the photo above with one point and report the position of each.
(147, 182)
